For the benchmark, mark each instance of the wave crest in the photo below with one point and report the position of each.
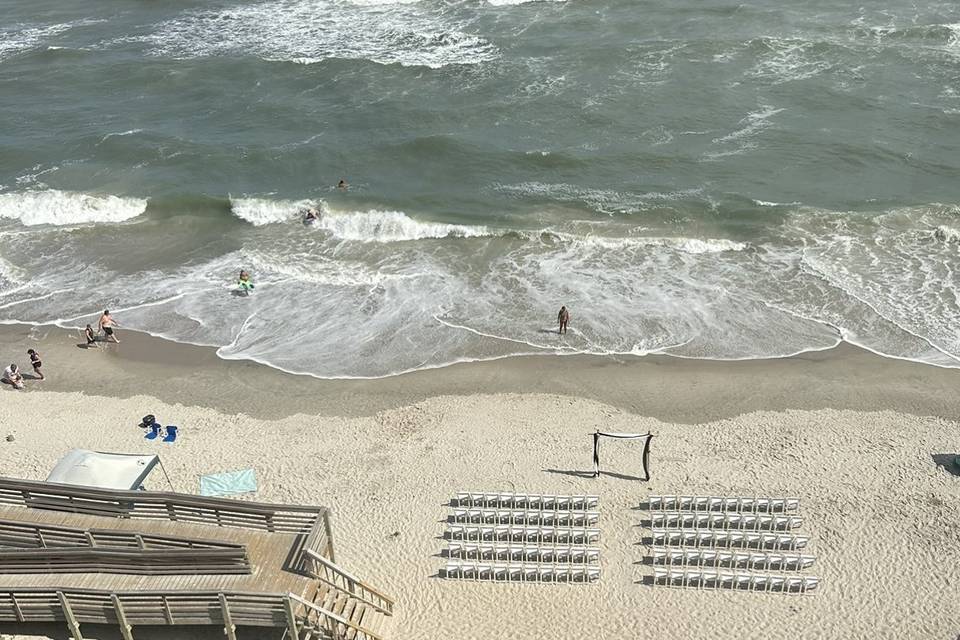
(392, 226)
(65, 207)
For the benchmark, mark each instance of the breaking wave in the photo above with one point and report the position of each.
(66, 208)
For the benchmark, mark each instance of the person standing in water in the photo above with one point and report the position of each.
(36, 362)
(342, 185)
(563, 318)
(107, 323)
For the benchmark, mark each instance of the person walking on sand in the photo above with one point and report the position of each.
(107, 323)
(11, 375)
(563, 318)
(90, 336)
(35, 361)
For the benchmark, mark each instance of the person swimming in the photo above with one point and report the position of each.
(342, 185)
(311, 216)
(244, 282)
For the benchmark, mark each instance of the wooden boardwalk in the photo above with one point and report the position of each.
(84, 555)
(269, 554)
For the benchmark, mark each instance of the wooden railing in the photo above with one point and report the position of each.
(144, 608)
(318, 619)
(147, 562)
(318, 567)
(29, 535)
(231, 609)
(176, 507)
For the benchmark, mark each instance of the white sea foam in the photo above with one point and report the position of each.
(602, 200)
(744, 139)
(787, 60)
(309, 31)
(119, 134)
(261, 211)
(392, 226)
(15, 41)
(944, 233)
(65, 208)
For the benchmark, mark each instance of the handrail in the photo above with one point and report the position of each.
(166, 505)
(362, 633)
(353, 586)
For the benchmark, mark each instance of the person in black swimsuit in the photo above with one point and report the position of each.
(107, 323)
(35, 361)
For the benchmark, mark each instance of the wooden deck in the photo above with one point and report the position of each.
(263, 565)
(269, 554)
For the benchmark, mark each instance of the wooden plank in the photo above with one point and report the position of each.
(166, 610)
(228, 627)
(125, 627)
(16, 607)
(292, 629)
(72, 623)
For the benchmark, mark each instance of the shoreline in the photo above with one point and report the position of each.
(859, 439)
(664, 387)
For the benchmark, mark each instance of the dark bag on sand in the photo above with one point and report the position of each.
(148, 421)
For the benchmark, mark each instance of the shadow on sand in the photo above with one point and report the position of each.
(590, 474)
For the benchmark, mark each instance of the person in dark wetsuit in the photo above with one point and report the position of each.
(35, 361)
(563, 318)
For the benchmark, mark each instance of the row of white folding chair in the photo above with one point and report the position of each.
(571, 554)
(723, 558)
(743, 581)
(517, 516)
(524, 572)
(727, 539)
(720, 503)
(520, 533)
(728, 520)
(525, 500)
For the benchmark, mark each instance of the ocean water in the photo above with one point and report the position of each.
(697, 178)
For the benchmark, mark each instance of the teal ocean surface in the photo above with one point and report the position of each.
(695, 178)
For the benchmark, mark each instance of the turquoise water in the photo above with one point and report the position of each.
(701, 179)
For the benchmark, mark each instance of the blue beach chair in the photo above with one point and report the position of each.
(171, 434)
(153, 433)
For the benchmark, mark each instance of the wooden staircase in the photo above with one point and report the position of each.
(360, 621)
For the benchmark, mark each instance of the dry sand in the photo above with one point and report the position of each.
(883, 516)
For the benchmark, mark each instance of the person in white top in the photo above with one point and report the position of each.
(11, 375)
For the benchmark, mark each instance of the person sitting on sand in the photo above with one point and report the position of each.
(11, 375)
(107, 323)
(563, 318)
(342, 185)
(90, 336)
(35, 361)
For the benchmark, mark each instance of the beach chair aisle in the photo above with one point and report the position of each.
(714, 542)
(512, 537)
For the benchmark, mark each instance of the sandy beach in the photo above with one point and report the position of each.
(855, 436)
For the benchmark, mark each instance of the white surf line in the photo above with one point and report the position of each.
(496, 337)
(814, 272)
(125, 309)
(568, 350)
(46, 295)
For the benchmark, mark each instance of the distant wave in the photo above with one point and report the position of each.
(358, 226)
(65, 208)
(17, 40)
(309, 31)
(392, 226)
(261, 211)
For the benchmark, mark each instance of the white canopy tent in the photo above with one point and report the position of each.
(103, 470)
